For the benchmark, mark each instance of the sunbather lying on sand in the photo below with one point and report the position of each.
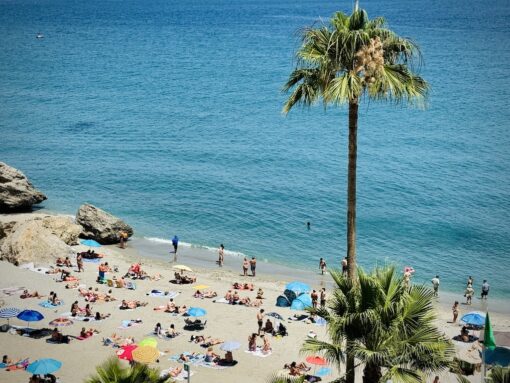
(243, 286)
(72, 285)
(174, 372)
(297, 369)
(88, 333)
(205, 341)
(8, 361)
(25, 294)
(205, 294)
(54, 270)
(125, 305)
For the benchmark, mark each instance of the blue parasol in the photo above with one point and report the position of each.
(298, 287)
(196, 312)
(44, 366)
(90, 243)
(474, 318)
(30, 316)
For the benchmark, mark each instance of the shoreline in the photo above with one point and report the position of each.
(204, 258)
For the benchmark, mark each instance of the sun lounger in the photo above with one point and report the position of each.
(195, 326)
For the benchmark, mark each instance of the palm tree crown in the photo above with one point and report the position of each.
(352, 57)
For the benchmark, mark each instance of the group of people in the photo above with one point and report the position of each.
(252, 343)
(469, 292)
(169, 333)
(315, 296)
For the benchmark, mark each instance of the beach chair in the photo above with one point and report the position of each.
(195, 326)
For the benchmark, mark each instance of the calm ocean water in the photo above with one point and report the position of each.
(168, 114)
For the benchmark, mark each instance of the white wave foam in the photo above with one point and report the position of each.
(229, 253)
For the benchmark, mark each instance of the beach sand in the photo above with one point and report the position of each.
(228, 322)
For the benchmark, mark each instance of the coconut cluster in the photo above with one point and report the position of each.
(369, 60)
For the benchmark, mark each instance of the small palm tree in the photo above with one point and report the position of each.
(343, 62)
(388, 327)
(111, 371)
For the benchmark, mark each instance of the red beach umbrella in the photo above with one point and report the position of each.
(317, 360)
(126, 352)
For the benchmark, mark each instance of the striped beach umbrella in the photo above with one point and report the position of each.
(9, 312)
(61, 322)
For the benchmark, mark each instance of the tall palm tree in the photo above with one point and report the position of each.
(351, 59)
(111, 371)
(387, 326)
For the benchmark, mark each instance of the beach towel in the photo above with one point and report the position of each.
(30, 266)
(92, 260)
(163, 294)
(12, 290)
(21, 365)
(131, 285)
(49, 305)
(125, 324)
(220, 300)
(258, 353)
(77, 317)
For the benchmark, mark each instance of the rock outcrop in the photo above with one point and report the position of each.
(63, 227)
(31, 241)
(16, 192)
(100, 225)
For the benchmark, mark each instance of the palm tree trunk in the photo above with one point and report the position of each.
(351, 190)
(349, 368)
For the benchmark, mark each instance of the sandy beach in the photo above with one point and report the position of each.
(224, 321)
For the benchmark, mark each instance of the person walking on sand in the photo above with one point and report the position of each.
(260, 320)
(469, 294)
(221, 255)
(455, 311)
(322, 265)
(246, 264)
(485, 289)
(435, 284)
(253, 265)
(175, 244)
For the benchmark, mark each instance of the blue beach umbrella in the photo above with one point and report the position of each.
(44, 366)
(196, 312)
(301, 302)
(298, 287)
(9, 312)
(230, 346)
(474, 318)
(90, 243)
(30, 316)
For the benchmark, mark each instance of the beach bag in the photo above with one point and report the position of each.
(282, 301)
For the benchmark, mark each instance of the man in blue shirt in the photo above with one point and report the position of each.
(175, 244)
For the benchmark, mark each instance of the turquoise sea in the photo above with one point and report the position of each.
(168, 114)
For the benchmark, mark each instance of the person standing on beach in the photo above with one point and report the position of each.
(470, 281)
(246, 264)
(79, 262)
(221, 255)
(344, 266)
(315, 298)
(469, 294)
(175, 244)
(435, 284)
(253, 265)
(323, 297)
(485, 289)
(455, 311)
(322, 265)
(260, 320)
